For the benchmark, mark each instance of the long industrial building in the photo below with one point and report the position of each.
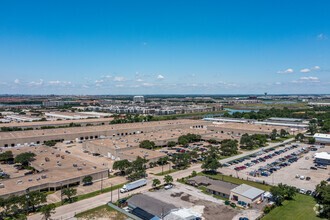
(19, 138)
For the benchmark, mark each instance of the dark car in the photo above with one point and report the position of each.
(308, 192)
(308, 178)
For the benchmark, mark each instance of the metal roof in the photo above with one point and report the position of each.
(247, 191)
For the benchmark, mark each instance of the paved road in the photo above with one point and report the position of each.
(69, 211)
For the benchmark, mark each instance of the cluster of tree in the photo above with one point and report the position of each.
(133, 118)
(282, 192)
(5, 129)
(69, 193)
(212, 141)
(167, 179)
(188, 138)
(14, 205)
(320, 113)
(322, 197)
(161, 161)
(182, 160)
(135, 169)
(24, 158)
(211, 159)
(301, 137)
(171, 143)
(229, 147)
(253, 141)
(50, 143)
(146, 144)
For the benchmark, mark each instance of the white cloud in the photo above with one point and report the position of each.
(16, 81)
(147, 84)
(119, 79)
(107, 76)
(287, 71)
(309, 78)
(85, 86)
(33, 83)
(139, 80)
(160, 77)
(119, 86)
(57, 82)
(99, 81)
(322, 36)
(305, 70)
(278, 83)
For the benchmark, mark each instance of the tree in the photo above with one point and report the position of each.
(155, 182)
(34, 199)
(311, 140)
(283, 133)
(277, 195)
(273, 135)
(48, 210)
(146, 144)
(193, 173)
(6, 156)
(50, 143)
(212, 141)
(299, 137)
(171, 143)
(87, 179)
(69, 193)
(180, 160)
(182, 141)
(323, 198)
(168, 179)
(24, 158)
(210, 163)
(121, 165)
(229, 147)
(312, 128)
(163, 160)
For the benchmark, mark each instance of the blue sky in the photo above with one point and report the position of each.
(164, 47)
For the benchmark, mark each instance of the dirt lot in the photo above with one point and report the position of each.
(287, 174)
(183, 196)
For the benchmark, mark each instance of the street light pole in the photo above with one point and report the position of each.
(111, 191)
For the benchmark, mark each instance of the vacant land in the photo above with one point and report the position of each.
(237, 181)
(102, 212)
(301, 207)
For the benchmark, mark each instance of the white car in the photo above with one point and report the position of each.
(168, 186)
(297, 175)
(302, 177)
(302, 191)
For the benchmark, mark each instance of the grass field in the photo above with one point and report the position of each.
(104, 212)
(300, 208)
(237, 181)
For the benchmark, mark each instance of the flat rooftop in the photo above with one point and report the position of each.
(247, 127)
(75, 130)
(144, 153)
(53, 172)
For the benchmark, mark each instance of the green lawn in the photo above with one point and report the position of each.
(237, 181)
(103, 211)
(301, 207)
(91, 194)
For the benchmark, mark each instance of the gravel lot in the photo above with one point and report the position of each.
(184, 196)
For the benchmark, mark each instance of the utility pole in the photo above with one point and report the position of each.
(61, 195)
(118, 195)
(111, 191)
(101, 182)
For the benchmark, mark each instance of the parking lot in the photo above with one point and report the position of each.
(290, 165)
(183, 196)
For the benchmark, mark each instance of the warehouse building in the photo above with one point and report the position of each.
(246, 194)
(322, 158)
(322, 138)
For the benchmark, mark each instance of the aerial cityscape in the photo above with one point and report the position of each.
(174, 110)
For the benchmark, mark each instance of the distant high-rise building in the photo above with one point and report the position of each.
(138, 99)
